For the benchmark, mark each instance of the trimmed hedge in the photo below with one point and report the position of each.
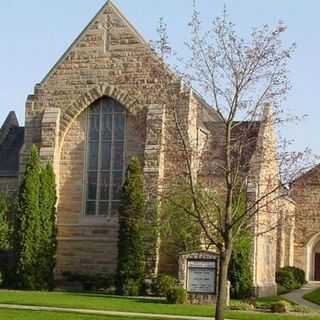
(290, 278)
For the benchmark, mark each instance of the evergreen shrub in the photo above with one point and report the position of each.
(176, 295)
(4, 222)
(290, 278)
(285, 278)
(162, 284)
(96, 282)
(240, 269)
(280, 307)
(34, 238)
(131, 245)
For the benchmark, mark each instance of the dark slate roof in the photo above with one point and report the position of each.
(244, 142)
(12, 139)
(11, 121)
(207, 113)
(246, 133)
(311, 176)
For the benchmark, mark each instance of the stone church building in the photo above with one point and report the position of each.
(94, 110)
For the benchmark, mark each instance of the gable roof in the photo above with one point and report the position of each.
(244, 137)
(312, 176)
(110, 4)
(11, 142)
(209, 112)
(11, 121)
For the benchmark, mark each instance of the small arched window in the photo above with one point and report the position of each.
(105, 157)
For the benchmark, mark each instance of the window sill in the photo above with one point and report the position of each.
(96, 220)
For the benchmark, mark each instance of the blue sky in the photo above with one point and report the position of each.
(35, 33)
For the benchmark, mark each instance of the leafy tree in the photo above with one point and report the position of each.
(240, 78)
(131, 249)
(179, 233)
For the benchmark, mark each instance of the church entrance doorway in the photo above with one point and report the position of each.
(312, 266)
(317, 267)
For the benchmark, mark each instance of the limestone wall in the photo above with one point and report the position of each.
(182, 147)
(108, 59)
(286, 229)
(264, 181)
(86, 243)
(306, 193)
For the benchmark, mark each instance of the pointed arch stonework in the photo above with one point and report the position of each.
(77, 107)
(310, 256)
(55, 124)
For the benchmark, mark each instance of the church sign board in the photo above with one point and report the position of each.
(201, 276)
(198, 274)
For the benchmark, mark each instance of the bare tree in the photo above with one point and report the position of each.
(235, 158)
(241, 79)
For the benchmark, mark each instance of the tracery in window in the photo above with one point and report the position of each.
(105, 157)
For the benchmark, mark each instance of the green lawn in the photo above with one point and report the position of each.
(113, 303)
(313, 296)
(101, 302)
(264, 316)
(42, 315)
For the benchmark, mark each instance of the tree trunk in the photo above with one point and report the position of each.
(222, 283)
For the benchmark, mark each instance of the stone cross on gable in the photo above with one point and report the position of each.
(107, 27)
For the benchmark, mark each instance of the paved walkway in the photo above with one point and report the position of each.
(297, 295)
(100, 312)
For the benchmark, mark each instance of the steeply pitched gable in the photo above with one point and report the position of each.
(109, 6)
(10, 122)
(11, 142)
(311, 176)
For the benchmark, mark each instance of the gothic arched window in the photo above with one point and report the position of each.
(105, 157)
